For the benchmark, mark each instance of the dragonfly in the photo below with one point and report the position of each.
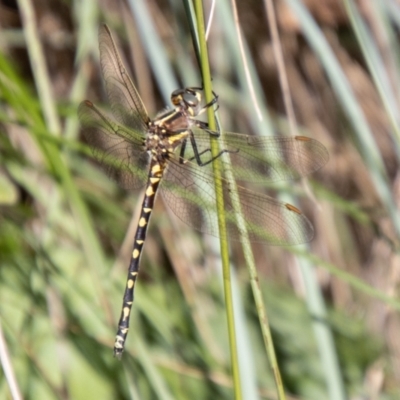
(171, 154)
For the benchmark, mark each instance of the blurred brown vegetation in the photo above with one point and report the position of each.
(354, 230)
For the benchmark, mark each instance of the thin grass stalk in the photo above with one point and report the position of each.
(52, 154)
(377, 67)
(365, 140)
(220, 203)
(8, 368)
(155, 50)
(252, 96)
(323, 334)
(314, 297)
(392, 9)
(278, 56)
(260, 307)
(351, 280)
(250, 262)
(159, 384)
(39, 68)
(191, 15)
(86, 15)
(327, 335)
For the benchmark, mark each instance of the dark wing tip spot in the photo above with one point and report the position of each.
(290, 207)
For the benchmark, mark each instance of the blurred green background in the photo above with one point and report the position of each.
(66, 230)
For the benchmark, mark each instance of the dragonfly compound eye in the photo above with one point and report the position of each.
(177, 97)
(191, 102)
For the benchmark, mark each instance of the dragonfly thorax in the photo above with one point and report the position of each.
(162, 142)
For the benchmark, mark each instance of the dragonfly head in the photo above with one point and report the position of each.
(187, 100)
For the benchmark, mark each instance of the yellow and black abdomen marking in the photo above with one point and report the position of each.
(156, 171)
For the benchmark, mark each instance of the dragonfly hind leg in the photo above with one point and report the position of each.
(197, 154)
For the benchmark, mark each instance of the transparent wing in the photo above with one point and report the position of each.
(264, 158)
(190, 192)
(119, 150)
(126, 104)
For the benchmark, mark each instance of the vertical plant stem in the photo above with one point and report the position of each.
(8, 368)
(220, 203)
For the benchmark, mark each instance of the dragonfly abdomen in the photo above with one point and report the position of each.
(155, 175)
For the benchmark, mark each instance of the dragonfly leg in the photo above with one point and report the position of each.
(197, 154)
(182, 159)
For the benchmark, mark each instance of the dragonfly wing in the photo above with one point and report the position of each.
(190, 192)
(126, 104)
(119, 150)
(268, 158)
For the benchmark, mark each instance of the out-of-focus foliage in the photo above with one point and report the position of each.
(66, 230)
